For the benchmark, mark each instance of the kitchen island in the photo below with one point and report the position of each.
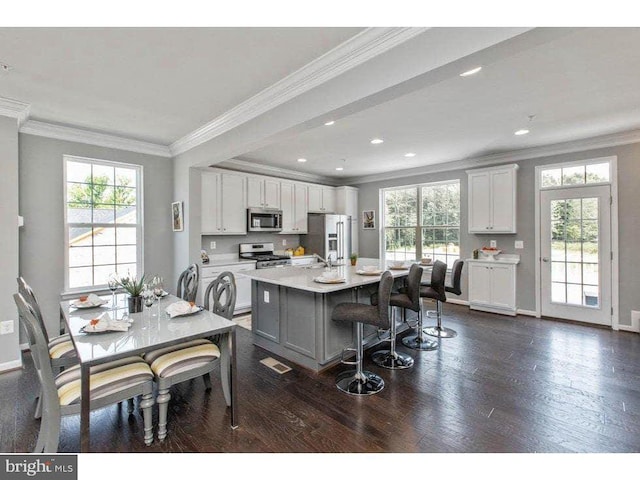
(291, 313)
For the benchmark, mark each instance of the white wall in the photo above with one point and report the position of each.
(41, 204)
(9, 351)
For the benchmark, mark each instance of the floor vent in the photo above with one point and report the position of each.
(275, 365)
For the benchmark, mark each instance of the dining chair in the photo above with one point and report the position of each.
(61, 350)
(187, 288)
(109, 383)
(196, 358)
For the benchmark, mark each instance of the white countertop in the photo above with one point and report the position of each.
(501, 258)
(225, 259)
(302, 278)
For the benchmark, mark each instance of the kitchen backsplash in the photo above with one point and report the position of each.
(229, 243)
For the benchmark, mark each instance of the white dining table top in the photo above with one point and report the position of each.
(148, 330)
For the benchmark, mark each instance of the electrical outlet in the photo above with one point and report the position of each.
(212, 245)
(519, 244)
(493, 243)
(266, 296)
(284, 242)
(6, 327)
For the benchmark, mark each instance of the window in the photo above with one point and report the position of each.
(422, 221)
(576, 174)
(103, 221)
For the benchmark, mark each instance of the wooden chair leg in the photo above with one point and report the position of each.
(146, 404)
(163, 406)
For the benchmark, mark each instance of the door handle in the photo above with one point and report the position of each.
(545, 259)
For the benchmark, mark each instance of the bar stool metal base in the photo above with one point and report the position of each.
(440, 332)
(366, 383)
(385, 359)
(417, 343)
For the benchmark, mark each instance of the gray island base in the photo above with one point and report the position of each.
(291, 313)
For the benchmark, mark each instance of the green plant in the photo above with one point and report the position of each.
(132, 285)
(353, 256)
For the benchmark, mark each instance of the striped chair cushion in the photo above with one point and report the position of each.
(104, 380)
(183, 357)
(61, 346)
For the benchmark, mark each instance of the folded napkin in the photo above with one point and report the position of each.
(181, 308)
(91, 299)
(104, 323)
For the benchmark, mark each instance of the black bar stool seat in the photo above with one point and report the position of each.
(359, 381)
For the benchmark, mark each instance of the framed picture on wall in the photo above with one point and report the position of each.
(176, 216)
(368, 220)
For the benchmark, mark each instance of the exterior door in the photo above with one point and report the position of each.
(576, 253)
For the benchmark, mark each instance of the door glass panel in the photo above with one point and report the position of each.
(552, 178)
(573, 175)
(598, 173)
(574, 251)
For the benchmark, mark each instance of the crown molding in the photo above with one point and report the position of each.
(72, 134)
(14, 109)
(349, 54)
(585, 144)
(259, 169)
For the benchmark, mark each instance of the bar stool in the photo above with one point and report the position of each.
(434, 290)
(359, 381)
(438, 330)
(408, 297)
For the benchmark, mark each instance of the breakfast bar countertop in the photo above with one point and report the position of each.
(302, 278)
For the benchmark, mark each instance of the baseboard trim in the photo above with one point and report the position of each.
(456, 301)
(13, 365)
(629, 328)
(529, 313)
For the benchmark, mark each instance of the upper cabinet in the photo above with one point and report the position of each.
(322, 199)
(223, 197)
(347, 204)
(293, 202)
(492, 196)
(263, 192)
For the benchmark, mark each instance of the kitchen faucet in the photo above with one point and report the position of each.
(327, 263)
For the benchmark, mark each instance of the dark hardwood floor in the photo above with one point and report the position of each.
(502, 385)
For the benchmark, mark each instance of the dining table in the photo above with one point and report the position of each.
(148, 330)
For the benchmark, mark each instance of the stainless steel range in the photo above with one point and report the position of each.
(263, 254)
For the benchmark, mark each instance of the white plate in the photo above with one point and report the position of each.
(195, 309)
(401, 267)
(98, 328)
(369, 272)
(79, 304)
(329, 280)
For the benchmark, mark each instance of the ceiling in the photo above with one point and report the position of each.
(151, 84)
(579, 85)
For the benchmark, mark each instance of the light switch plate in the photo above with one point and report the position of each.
(519, 244)
(493, 243)
(212, 245)
(266, 296)
(6, 327)
(284, 242)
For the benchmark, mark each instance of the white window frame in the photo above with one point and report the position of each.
(419, 226)
(613, 182)
(139, 215)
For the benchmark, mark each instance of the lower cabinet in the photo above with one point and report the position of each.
(243, 284)
(492, 286)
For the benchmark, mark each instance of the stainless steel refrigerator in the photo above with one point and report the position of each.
(329, 236)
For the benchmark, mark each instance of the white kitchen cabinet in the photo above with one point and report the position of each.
(347, 204)
(492, 285)
(243, 283)
(322, 199)
(492, 197)
(293, 202)
(263, 192)
(223, 204)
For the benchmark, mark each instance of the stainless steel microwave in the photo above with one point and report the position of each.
(264, 220)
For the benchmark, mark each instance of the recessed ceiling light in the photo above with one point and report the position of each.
(329, 123)
(410, 154)
(302, 160)
(339, 169)
(473, 71)
(376, 141)
(522, 131)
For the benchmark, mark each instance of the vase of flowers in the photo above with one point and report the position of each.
(133, 286)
